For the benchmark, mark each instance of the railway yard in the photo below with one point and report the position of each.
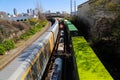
(52, 56)
(71, 67)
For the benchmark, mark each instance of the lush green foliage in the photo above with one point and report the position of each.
(32, 21)
(38, 25)
(2, 50)
(88, 64)
(6, 45)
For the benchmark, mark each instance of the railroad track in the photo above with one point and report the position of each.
(12, 54)
(65, 55)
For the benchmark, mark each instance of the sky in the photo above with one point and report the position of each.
(23, 5)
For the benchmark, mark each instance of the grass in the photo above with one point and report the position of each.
(88, 64)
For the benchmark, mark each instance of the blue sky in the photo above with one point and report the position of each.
(23, 5)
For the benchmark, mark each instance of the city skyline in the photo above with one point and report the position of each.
(23, 5)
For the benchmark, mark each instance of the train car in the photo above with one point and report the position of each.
(87, 65)
(87, 62)
(60, 48)
(54, 30)
(31, 63)
(56, 70)
(71, 29)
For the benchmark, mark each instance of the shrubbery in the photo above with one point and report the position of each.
(33, 30)
(2, 50)
(6, 45)
(32, 21)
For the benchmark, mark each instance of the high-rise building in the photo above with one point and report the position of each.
(15, 11)
(31, 10)
(28, 11)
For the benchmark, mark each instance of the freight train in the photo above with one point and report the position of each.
(31, 63)
(87, 66)
(54, 71)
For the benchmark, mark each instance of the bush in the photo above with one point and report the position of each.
(33, 30)
(2, 50)
(8, 44)
(32, 21)
(24, 37)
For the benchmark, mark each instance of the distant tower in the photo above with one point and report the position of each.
(28, 11)
(71, 7)
(15, 11)
(75, 7)
(31, 11)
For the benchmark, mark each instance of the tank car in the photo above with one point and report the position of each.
(56, 69)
